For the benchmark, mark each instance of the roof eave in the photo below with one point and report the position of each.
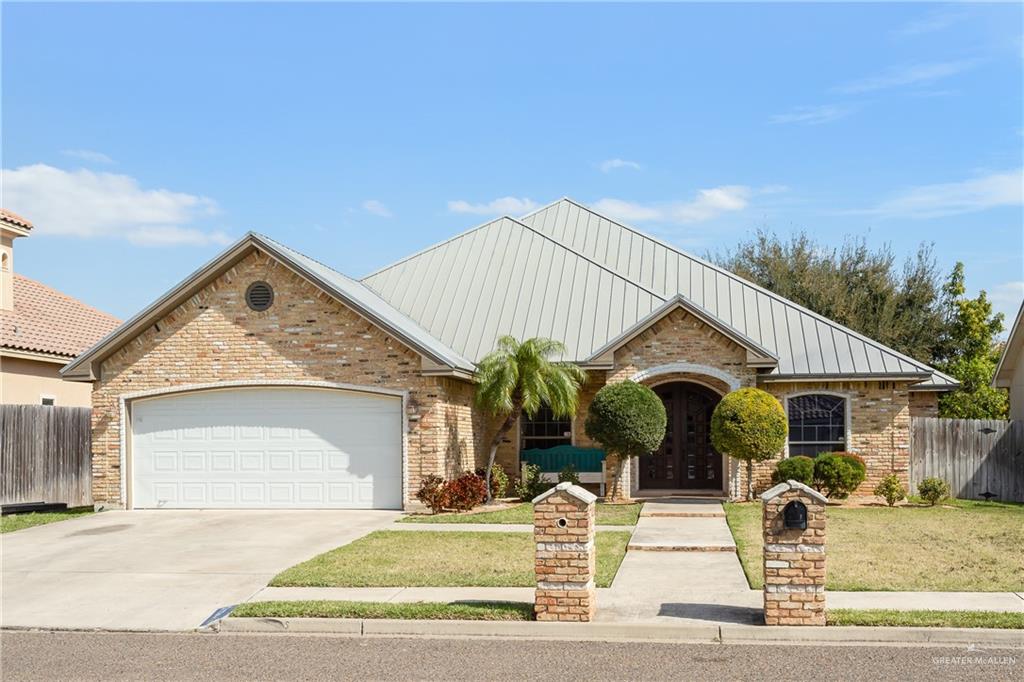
(85, 366)
(1002, 377)
(870, 376)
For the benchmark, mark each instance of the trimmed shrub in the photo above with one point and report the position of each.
(432, 493)
(530, 485)
(891, 490)
(628, 419)
(749, 424)
(933, 490)
(569, 474)
(838, 474)
(499, 480)
(466, 491)
(799, 468)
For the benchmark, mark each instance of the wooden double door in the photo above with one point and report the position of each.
(685, 458)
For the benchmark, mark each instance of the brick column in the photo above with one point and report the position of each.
(794, 558)
(565, 559)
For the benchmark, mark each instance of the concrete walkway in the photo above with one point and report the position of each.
(681, 567)
(683, 525)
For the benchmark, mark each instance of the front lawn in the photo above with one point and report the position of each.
(607, 515)
(13, 522)
(439, 559)
(391, 610)
(961, 546)
(935, 619)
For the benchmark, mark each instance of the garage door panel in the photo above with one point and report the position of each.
(249, 448)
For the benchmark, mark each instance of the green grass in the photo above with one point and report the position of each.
(959, 546)
(935, 619)
(15, 522)
(439, 559)
(607, 515)
(411, 611)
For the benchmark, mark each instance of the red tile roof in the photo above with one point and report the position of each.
(12, 217)
(46, 321)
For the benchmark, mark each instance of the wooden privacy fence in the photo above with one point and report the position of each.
(974, 456)
(45, 454)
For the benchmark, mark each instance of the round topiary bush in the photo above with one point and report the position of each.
(749, 424)
(838, 474)
(798, 468)
(628, 420)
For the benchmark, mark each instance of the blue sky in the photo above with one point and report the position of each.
(142, 138)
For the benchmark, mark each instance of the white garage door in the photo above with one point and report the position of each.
(296, 448)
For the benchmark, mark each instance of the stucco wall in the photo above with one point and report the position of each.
(24, 382)
(305, 336)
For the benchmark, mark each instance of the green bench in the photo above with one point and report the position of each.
(588, 462)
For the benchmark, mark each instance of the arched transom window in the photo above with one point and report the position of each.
(817, 424)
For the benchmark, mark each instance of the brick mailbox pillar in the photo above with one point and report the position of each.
(794, 555)
(565, 559)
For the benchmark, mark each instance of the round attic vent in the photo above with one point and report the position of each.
(259, 296)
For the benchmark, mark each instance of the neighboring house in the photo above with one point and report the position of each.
(267, 379)
(41, 330)
(1010, 370)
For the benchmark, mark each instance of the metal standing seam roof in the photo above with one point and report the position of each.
(569, 273)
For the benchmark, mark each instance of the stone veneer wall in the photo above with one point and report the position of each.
(307, 335)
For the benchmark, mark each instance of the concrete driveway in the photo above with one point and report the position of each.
(159, 570)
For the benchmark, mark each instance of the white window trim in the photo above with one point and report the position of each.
(847, 429)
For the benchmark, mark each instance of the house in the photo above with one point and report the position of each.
(1009, 372)
(267, 379)
(41, 330)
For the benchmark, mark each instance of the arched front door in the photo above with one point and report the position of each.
(685, 458)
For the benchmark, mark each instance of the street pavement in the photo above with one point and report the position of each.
(188, 656)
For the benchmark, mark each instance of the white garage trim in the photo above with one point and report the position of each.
(125, 405)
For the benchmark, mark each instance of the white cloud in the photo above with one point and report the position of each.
(708, 204)
(87, 155)
(954, 198)
(914, 74)
(1006, 299)
(812, 115)
(83, 203)
(608, 165)
(501, 206)
(376, 208)
(935, 21)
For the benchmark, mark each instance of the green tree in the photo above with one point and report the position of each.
(749, 424)
(968, 351)
(520, 377)
(853, 285)
(628, 419)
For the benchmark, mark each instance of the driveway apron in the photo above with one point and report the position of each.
(160, 570)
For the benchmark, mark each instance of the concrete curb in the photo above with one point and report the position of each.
(705, 633)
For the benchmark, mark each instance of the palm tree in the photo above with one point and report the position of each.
(521, 377)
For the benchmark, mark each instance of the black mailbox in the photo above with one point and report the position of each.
(795, 515)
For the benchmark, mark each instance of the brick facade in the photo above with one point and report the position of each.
(306, 335)
(924, 404)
